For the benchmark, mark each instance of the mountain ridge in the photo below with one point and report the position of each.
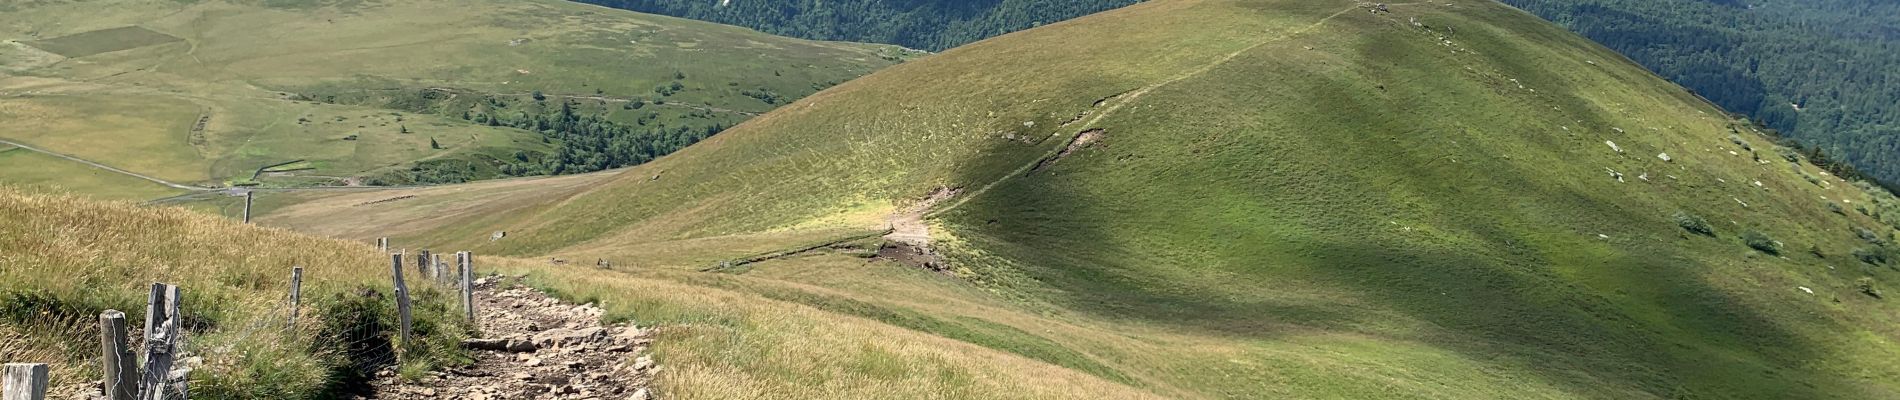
(1258, 198)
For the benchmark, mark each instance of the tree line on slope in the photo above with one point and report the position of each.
(585, 134)
(583, 142)
(923, 24)
(1824, 72)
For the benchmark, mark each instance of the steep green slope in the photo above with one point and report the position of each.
(1819, 71)
(208, 92)
(1269, 199)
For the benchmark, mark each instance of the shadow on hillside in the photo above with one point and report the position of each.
(1501, 303)
(1511, 272)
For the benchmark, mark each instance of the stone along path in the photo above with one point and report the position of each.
(536, 347)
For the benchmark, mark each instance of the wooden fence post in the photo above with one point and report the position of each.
(116, 359)
(161, 341)
(445, 272)
(462, 262)
(382, 244)
(468, 285)
(296, 295)
(24, 382)
(247, 206)
(422, 262)
(402, 298)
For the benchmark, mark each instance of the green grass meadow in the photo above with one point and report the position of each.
(207, 92)
(28, 170)
(1286, 200)
(1275, 199)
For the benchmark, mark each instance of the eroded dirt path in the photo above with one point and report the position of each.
(536, 347)
(1088, 120)
(908, 226)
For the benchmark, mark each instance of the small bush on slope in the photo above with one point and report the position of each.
(71, 259)
(1761, 241)
(1693, 223)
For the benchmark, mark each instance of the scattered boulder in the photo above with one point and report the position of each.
(485, 344)
(519, 345)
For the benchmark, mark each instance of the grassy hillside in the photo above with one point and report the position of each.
(1816, 70)
(928, 24)
(68, 259)
(40, 172)
(208, 92)
(1270, 199)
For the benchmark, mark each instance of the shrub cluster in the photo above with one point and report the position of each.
(1761, 241)
(1873, 255)
(1693, 223)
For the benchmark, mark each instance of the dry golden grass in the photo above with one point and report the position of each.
(716, 343)
(372, 213)
(66, 259)
(727, 344)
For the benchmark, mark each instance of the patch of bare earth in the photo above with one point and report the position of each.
(536, 347)
(909, 239)
(1081, 141)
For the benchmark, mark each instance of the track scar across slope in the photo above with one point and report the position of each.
(1122, 101)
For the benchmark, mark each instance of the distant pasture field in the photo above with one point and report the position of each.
(103, 41)
(32, 171)
(392, 92)
(147, 134)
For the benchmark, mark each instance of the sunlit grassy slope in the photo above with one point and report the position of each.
(1280, 199)
(41, 172)
(66, 259)
(207, 92)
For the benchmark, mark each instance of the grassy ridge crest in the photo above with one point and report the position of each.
(1281, 199)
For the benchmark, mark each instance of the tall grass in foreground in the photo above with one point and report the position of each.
(729, 344)
(64, 260)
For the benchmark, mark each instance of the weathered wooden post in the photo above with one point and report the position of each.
(24, 382)
(247, 206)
(402, 298)
(448, 274)
(296, 295)
(435, 268)
(468, 285)
(116, 358)
(161, 341)
(382, 244)
(422, 262)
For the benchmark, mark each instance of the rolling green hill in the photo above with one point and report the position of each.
(1818, 71)
(208, 92)
(1240, 199)
(924, 24)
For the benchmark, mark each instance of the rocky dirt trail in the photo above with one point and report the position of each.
(536, 347)
(909, 239)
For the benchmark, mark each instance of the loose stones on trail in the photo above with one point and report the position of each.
(537, 347)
